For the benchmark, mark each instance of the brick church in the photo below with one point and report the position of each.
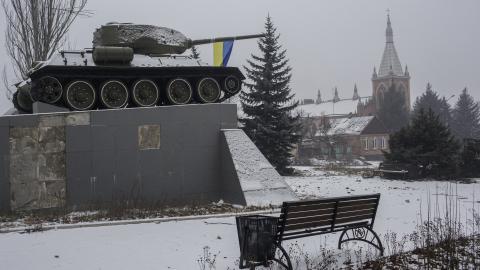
(390, 72)
(352, 122)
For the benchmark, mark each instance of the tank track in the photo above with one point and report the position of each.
(87, 88)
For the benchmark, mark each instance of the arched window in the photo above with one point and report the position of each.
(381, 92)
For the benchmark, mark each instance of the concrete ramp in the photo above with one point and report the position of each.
(250, 171)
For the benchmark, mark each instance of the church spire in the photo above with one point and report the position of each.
(319, 97)
(355, 93)
(389, 31)
(336, 98)
(390, 64)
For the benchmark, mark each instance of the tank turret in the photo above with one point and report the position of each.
(130, 65)
(150, 39)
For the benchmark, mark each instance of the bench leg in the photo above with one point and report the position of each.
(284, 259)
(363, 234)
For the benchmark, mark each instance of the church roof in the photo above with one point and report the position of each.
(390, 64)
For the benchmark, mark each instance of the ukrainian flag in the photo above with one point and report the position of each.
(221, 53)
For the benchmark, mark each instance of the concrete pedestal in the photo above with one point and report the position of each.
(163, 155)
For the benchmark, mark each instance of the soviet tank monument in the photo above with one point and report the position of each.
(110, 136)
(129, 65)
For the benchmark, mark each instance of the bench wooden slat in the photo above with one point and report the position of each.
(311, 207)
(341, 221)
(333, 199)
(307, 225)
(357, 207)
(293, 221)
(298, 233)
(341, 215)
(357, 202)
(309, 213)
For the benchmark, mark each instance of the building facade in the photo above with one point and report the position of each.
(344, 138)
(371, 139)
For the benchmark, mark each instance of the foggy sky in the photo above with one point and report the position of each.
(329, 43)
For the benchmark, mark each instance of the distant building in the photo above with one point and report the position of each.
(390, 73)
(346, 127)
(344, 138)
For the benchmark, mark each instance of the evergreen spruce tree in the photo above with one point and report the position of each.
(392, 110)
(426, 141)
(466, 117)
(430, 100)
(268, 104)
(445, 113)
(195, 54)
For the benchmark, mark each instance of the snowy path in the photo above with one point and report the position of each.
(178, 245)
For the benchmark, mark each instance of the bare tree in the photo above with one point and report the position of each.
(35, 29)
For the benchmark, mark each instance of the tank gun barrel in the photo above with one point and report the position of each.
(221, 39)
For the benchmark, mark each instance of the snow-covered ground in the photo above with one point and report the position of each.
(178, 245)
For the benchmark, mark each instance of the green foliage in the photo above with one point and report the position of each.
(425, 142)
(466, 117)
(392, 110)
(268, 104)
(430, 100)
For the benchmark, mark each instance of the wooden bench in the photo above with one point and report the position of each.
(353, 216)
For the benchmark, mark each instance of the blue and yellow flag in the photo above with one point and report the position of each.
(221, 53)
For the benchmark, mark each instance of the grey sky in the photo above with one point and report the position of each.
(329, 43)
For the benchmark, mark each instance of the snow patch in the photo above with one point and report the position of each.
(260, 182)
(348, 125)
(345, 106)
(130, 33)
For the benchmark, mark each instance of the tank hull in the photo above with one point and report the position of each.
(128, 75)
(99, 72)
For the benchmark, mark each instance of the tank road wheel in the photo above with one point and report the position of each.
(208, 90)
(179, 91)
(47, 89)
(145, 93)
(114, 94)
(232, 84)
(80, 96)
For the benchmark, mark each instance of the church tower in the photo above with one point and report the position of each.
(390, 72)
